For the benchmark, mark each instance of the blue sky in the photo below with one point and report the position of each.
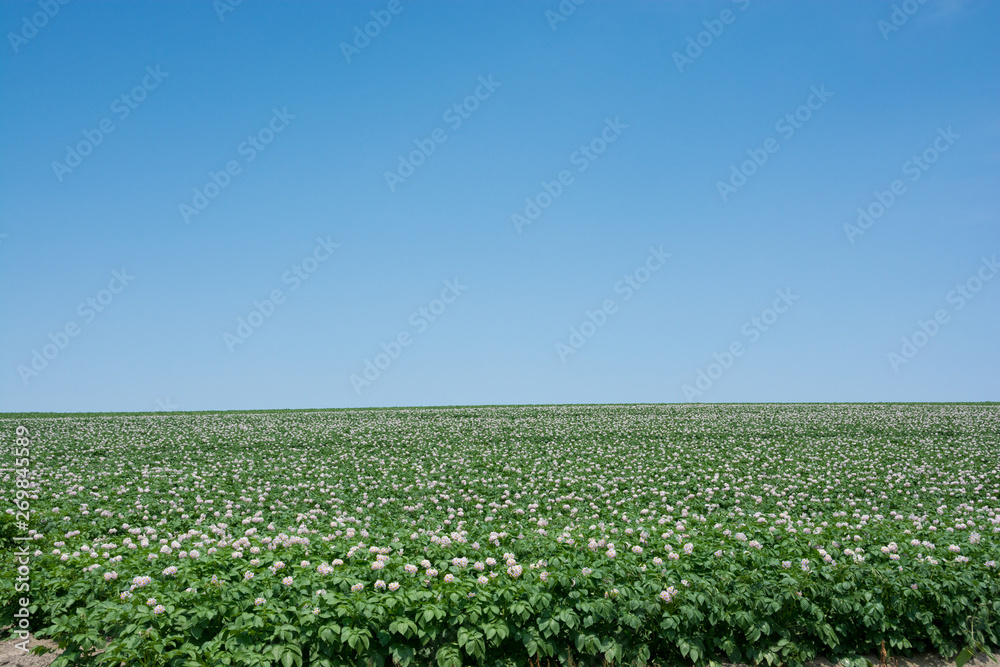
(697, 169)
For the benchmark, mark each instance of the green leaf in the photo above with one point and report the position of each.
(448, 656)
(403, 655)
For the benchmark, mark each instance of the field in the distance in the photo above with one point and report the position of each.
(665, 534)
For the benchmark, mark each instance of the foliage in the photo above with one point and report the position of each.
(570, 535)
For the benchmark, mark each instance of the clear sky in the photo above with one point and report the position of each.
(306, 205)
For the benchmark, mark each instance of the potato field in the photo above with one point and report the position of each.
(564, 535)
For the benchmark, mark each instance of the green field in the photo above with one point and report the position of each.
(497, 535)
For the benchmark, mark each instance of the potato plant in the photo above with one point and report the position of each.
(583, 535)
